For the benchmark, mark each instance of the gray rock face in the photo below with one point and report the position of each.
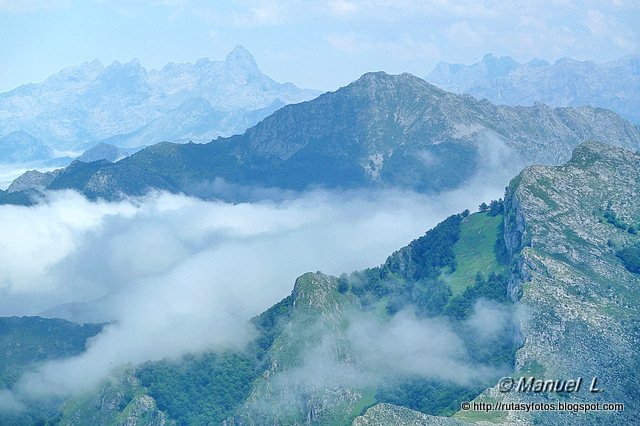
(127, 105)
(613, 85)
(581, 302)
(119, 402)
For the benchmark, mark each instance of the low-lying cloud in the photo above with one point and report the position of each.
(373, 351)
(174, 274)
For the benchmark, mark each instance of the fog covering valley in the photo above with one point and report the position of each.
(172, 275)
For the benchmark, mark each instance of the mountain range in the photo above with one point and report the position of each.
(562, 245)
(126, 105)
(380, 131)
(543, 283)
(614, 85)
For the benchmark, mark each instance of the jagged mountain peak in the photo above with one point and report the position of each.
(242, 63)
(499, 66)
(131, 66)
(132, 63)
(86, 70)
(93, 67)
(240, 54)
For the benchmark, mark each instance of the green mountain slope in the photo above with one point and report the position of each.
(380, 131)
(26, 341)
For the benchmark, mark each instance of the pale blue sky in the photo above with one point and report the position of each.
(319, 44)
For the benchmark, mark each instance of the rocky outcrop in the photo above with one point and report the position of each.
(119, 402)
(33, 180)
(388, 414)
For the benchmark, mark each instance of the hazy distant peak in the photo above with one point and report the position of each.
(490, 57)
(240, 55)
(492, 60)
(94, 66)
(20, 146)
(613, 85)
(125, 105)
(498, 66)
(124, 77)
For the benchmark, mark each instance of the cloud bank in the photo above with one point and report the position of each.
(174, 274)
(373, 352)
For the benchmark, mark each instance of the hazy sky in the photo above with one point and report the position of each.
(320, 44)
